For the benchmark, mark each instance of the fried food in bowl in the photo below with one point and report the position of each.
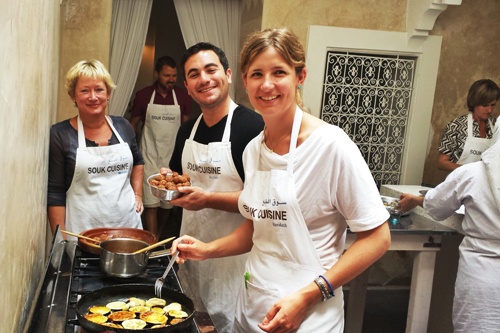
(165, 187)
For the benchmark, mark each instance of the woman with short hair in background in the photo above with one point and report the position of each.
(467, 136)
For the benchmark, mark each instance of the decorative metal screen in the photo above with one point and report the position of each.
(369, 96)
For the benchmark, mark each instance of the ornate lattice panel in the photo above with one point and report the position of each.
(369, 96)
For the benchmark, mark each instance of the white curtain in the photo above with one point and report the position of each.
(214, 21)
(129, 26)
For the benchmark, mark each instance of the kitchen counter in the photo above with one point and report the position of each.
(419, 215)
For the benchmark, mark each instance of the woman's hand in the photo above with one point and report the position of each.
(139, 207)
(287, 314)
(190, 248)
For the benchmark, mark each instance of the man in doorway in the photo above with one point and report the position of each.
(161, 108)
(209, 149)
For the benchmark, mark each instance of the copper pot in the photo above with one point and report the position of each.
(102, 234)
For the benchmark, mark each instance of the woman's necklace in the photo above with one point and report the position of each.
(271, 146)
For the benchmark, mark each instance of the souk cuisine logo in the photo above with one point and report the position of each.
(279, 217)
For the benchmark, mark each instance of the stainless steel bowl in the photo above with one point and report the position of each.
(162, 194)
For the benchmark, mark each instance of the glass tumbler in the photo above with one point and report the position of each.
(395, 215)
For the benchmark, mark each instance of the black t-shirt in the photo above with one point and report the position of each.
(245, 125)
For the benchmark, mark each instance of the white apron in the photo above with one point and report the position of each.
(100, 194)
(477, 287)
(283, 258)
(216, 281)
(473, 147)
(157, 143)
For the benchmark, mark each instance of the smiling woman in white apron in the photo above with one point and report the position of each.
(303, 185)
(466, 137)
(95, 166)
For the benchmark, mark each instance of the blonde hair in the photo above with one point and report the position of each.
(89, 69)
(284, 41)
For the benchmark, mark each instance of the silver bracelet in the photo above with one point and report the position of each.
(322, 288)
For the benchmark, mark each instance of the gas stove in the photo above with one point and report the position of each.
(72, 272)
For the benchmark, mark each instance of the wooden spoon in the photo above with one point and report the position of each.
(81, 236)
(154, 245)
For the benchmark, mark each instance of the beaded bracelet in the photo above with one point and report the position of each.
(322, 288)
(329, 285)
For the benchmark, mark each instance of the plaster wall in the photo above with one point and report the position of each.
(85, 35)
(29, 63)
(389, 15)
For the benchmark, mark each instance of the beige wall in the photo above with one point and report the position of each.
(40, 41)
(85, 34)
(29, 63)
(362, 14)
(251, 15)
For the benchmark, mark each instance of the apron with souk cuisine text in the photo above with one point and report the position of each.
(216, 281)
(100, 194)
(473, 147)
(157, 144)
(283, 258)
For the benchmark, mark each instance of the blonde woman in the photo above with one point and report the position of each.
(95, 166)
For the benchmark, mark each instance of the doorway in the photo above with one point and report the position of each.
(164, 37)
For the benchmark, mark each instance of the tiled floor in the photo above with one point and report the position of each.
(385, 310)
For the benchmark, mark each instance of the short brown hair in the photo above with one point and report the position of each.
(482, 92)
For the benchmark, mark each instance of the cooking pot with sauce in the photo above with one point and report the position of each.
(102, 234)
(118, 260)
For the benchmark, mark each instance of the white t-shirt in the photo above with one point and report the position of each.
(468, 186)
(334, 187)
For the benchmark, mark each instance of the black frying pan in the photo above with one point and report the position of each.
(121, 293)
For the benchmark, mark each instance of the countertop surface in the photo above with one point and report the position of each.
(420, 220)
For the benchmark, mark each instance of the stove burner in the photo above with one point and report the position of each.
(71, 273)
